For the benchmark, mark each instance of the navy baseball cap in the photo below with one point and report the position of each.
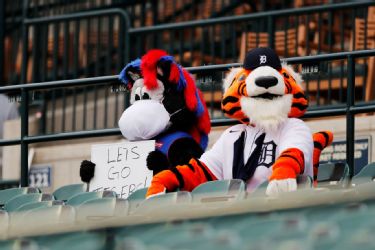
(261, 57)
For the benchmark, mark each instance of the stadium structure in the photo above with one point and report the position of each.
(59, 62)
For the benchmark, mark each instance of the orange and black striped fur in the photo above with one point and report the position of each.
(321, 140)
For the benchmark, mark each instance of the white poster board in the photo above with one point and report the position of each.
(121, 167)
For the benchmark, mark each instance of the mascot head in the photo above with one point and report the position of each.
(263, 92)
(163, 98)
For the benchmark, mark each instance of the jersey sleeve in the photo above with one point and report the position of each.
(296, 134)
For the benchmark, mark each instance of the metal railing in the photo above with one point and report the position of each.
(350, 109)
(198, 43)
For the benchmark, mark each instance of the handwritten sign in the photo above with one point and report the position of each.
(121, 167)
(337, 152)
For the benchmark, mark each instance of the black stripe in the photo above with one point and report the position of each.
(318, 145)
(325, 136)
(231, 99)
(243, 86)
(208, 176)
(245, 120)
(179, 177)
(288, 86)
(299, 106)
(191, 167)
(299, 95)
(232, 110)
(294, 158)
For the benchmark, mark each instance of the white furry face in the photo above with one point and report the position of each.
(264, 80)
(140, 92)
(267, 114)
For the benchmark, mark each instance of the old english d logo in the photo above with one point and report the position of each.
(262, 59)
(267, 157)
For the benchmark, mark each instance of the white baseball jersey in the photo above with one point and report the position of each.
(293, 133)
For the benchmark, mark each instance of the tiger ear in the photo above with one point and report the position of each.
(296, 76)
(230, 77)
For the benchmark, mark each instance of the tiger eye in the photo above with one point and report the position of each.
(242, 77)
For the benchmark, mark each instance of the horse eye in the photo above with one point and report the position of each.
(145, 96)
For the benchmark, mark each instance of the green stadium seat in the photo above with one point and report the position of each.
(8, 194)
(324, 235)
(34, 205)
(218, 191)
(139, 194)
(24, 244)
(303, 182)
(43, 218)
(333, 175)
(175, 199)
(66, 192)
(136, 198)
(101, 208)
(73, 241)
(183, 235)
(20, 200)
(81, 198)
(367, 174)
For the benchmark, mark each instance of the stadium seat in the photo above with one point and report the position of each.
(303, 182)
(221, 190)
(333, 175)
(66, 192)
(8, 194)
(20, 200)
(101, 208)
(44, 219)
(139, 194)
(160, 202)
(367, 174)
(73, 241)
(136, 198)
(81, 198)
(27, 244)
(34, 205)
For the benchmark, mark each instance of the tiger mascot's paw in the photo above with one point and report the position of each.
(279, 186)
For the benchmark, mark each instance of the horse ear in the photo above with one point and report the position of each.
(163, 70)
(130, 73)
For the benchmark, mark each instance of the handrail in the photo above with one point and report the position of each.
(263, 14)
(106, 79)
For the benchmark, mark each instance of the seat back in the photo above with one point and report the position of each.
(367, 174)
(333, 175)
(8, 194)
(66, 192)
(20, 200)
(221, 190)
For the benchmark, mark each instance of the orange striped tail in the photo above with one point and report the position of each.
(321, 140)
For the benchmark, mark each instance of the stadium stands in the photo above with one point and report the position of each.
(78, 39)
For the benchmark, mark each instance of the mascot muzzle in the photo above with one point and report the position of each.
(144, 120)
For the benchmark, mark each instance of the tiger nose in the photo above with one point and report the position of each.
(266, 81)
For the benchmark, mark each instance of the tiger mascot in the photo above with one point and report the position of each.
(270, 143)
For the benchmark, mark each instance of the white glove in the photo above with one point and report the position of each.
(278, 186)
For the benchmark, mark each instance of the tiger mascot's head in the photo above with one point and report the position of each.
(263, 92)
